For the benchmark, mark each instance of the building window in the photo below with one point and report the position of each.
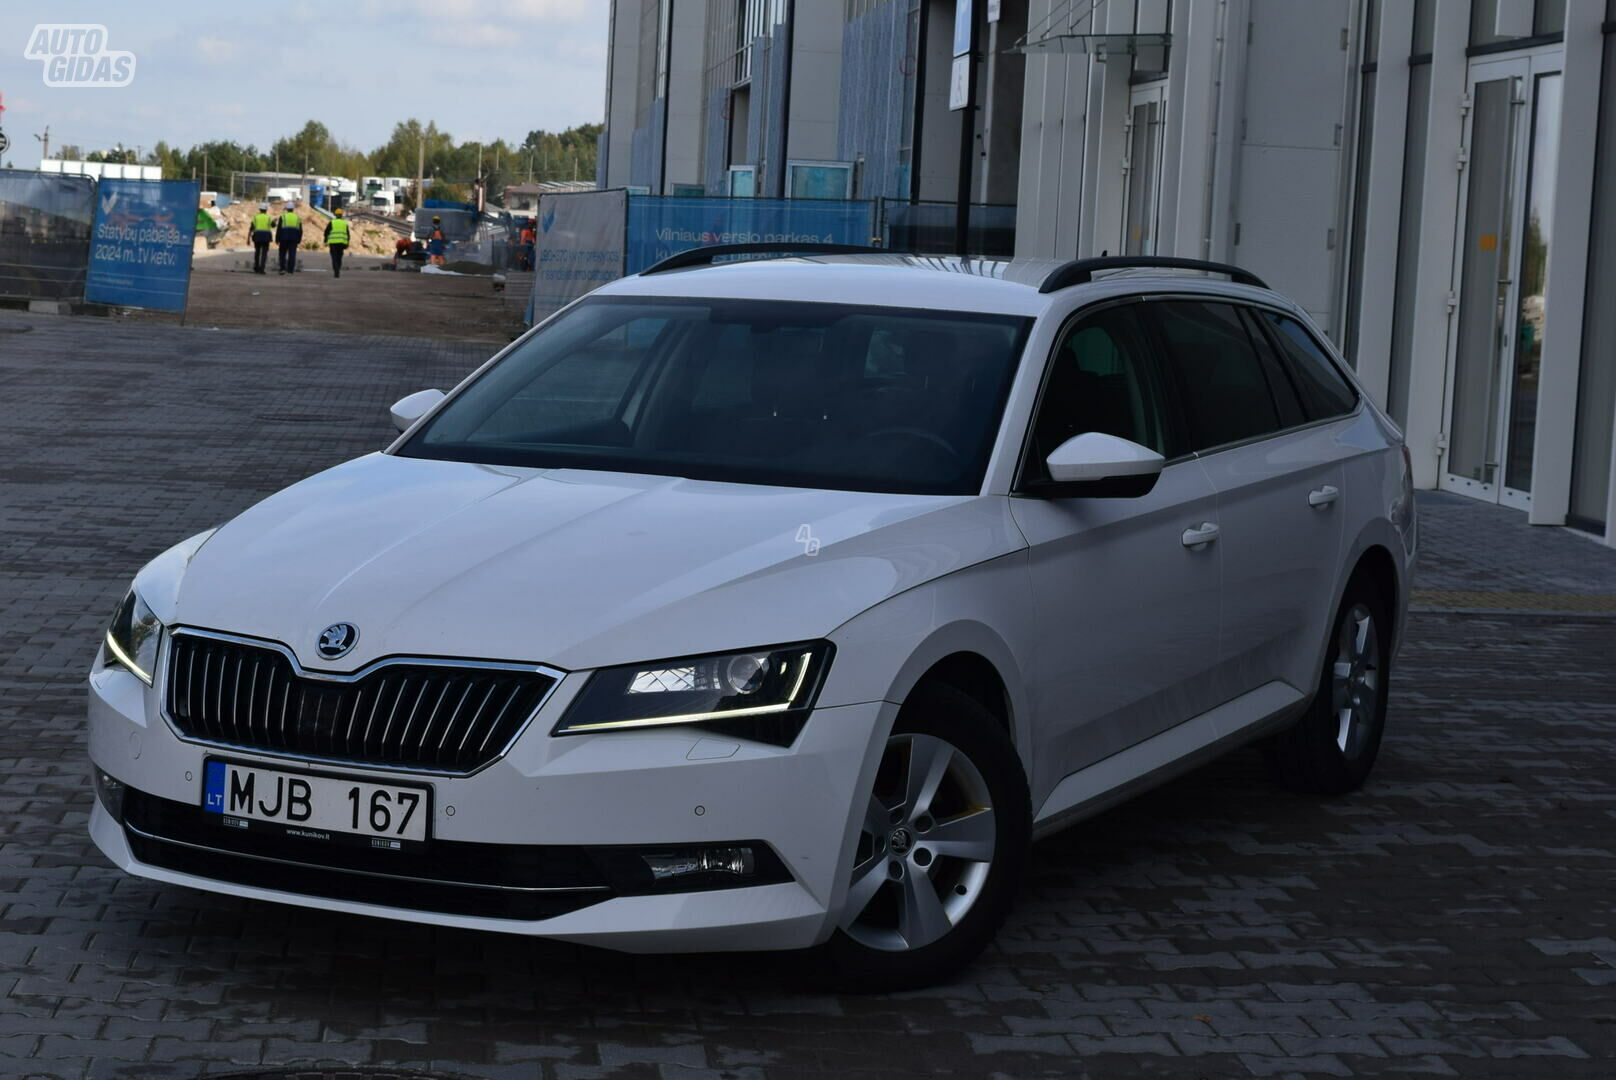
(758, 18)
(1493, 22)
(819, 179)
(742, 181)
(1152, 17)
(740, 125)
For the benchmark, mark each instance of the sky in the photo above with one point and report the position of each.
(252, 73)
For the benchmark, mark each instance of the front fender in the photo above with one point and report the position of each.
(985, 609)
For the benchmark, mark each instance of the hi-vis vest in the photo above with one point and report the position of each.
(339, 231)
(290, 220)
(260, 222)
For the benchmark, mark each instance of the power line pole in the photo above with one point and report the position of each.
(45, 138)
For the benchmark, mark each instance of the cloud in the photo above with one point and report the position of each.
(446, 12)
(475, 35)
(216, 51)
(562, 10)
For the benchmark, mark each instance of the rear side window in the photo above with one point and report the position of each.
(1215, 367)
(1324, 392)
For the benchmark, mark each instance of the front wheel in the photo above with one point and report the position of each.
(940, 851)
(1331, 749)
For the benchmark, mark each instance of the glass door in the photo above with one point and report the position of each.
(1145, 126)
(1506, 211)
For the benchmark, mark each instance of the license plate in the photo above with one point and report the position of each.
(314, 806)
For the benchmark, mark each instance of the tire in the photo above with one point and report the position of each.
(1332, 748)
(922, 914)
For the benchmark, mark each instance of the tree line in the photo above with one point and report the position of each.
(542, 155)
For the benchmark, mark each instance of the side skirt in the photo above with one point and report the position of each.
(1177, 750)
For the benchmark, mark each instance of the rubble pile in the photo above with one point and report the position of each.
(367, 239)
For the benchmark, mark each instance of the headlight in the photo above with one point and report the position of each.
(133, 636)
(762, 694)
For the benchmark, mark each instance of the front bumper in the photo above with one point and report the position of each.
(548, 799)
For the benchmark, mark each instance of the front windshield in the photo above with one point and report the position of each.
(748, 391)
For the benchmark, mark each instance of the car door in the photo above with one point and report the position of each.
(1127, 609)
(1279, 484)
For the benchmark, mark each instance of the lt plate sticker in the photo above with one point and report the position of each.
(213, 799)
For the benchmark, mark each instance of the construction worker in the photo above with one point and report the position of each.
(288, 235)
(436, 242)
(262, 235)
(529, 237)
(336, 238)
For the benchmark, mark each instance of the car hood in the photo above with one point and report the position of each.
(571, 568)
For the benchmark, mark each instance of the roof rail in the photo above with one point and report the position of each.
(1081, 271)
(704, 256)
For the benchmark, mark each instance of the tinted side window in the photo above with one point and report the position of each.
(1100, 379)
(1324, 392)
(1216, 369)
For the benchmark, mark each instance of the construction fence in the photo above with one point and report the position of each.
(45, 223)
(108, 241)
(586, 239)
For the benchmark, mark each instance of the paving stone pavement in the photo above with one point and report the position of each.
(1455, 918)
(1482, 558)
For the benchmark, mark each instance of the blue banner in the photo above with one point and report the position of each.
(658, 228)
(140, 245)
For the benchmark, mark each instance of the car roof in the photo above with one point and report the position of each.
(945, 282)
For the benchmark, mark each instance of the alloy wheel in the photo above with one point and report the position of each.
(1355, 681)
(925, 848)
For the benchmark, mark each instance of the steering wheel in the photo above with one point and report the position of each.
(917, 433)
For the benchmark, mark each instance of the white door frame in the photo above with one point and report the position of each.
(1524, 67)
(1154, 92)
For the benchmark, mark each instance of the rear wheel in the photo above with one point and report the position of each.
(940, 851)
(1332, 748)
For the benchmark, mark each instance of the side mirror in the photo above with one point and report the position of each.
(407, 410)
(1101, 466)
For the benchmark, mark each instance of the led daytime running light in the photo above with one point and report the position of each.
(126, 660)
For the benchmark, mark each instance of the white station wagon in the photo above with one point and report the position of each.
(773, 604)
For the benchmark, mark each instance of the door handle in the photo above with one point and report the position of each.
(1324, 496)
(1200, 536)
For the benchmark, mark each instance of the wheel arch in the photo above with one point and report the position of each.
(974, 659)
(1376, 566)
(1375, 554)
(974, 675)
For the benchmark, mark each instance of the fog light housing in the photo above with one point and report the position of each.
(734, 861)
(110, 792)
(674, 868)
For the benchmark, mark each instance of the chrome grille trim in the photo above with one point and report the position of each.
(331, 741)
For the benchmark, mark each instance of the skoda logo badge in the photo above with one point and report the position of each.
(338, 640)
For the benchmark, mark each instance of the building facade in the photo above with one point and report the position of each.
(1433, 180)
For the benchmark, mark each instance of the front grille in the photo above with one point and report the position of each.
(415, 715)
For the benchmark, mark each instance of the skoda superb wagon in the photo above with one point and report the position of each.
(773, 604)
